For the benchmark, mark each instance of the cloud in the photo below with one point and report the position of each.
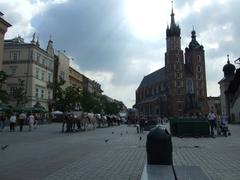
(110, 43)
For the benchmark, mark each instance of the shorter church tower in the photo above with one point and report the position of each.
(196, 88)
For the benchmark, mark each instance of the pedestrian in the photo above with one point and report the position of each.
(31, 120)
(211, 119)
(36, 121)
(22, 119)
(141, 123)
(165, 119)
(2, 121)
(13, 120)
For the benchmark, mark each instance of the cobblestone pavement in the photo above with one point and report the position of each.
(108, 154)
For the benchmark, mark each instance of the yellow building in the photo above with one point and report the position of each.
(85, 84)
(75, 78)
(3, 29)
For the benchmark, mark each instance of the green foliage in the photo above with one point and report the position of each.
(3, 94)
(19, 93)
(68, 99)
(90, 103)
(72, 98)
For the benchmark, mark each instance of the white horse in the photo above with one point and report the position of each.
(88, 119)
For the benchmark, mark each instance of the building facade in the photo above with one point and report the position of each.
(179, 88)
(33, 65)
(4, 25)
(85, 84)
(75, 78)
(230, 92)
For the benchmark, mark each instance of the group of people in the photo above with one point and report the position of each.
(143, 121)
(19, 119)
(217, 123)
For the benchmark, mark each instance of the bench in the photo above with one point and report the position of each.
(166, 172)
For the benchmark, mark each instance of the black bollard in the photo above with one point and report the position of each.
(159, 147)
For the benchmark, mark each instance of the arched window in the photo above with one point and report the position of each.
(199, 58)
(190, 86)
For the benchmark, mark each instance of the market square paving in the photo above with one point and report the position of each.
(108, 153)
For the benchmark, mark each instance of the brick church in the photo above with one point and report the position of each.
(179, 88)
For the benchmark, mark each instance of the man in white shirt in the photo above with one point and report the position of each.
(212, 121)
(13, 120)
(31, 122)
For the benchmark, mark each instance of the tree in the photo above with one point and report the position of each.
(72, 96)
(110, 107)
(57, 94)
(3, 94)
(68, 99)
(19, 93)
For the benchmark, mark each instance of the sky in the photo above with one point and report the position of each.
(118, 42)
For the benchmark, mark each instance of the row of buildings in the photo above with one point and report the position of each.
(179, 88)
(38, 68)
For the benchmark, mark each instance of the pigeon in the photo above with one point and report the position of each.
(140, 138)
(106, 140)
(4, 147)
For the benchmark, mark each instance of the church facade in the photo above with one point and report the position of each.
(179, 88)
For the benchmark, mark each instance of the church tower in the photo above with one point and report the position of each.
(174, 70)
(196, 75)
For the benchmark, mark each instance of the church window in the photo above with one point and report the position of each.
(179, 106)
(199, 58)
(177, 67)
(199, 83)
(177, 59)
(179, 75)
(179, 91)
(189, 86)
(199, 69)
(198, 76)
(178, 83)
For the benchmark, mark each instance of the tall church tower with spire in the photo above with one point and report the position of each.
(179, 88)
(174, 67)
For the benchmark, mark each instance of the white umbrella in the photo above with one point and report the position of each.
(57, 112)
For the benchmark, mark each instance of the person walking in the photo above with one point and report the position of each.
(2, 121)
(22, 118)
(31, 121)
(141, 123)
(13, 120)
(212, 118)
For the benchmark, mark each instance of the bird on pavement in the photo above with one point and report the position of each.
(140, 138)
(4, 147)
(106, 140)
